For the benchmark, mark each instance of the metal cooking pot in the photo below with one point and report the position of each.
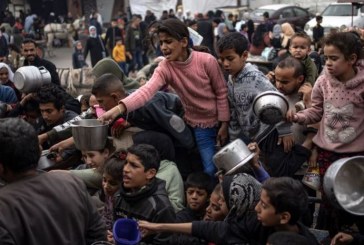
(29, 79)
(344, 185)
(46, 160)
(232, 157)
(89, 134)
(270, 107)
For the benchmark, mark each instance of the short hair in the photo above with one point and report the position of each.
(19, 145)
(29, 40)
(291, 62)
(302, 35)
(233, 40)
(266, 14)
(161, 141)
(147, 154)
(51, 93)
(107, 83)
(287, 237)
(199, 180)
(318, 17)
(287, 195)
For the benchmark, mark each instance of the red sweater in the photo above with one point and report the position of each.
(199, 83)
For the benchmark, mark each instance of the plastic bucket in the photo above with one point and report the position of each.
(126, 232)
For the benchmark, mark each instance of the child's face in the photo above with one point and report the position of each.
(232, 62)
(299, 48)
(172, 49)
(4, 75)
(214, 211)
(51, 115)
(266, 212)
(79, 46)
(134, 174)
(222, 203)
(95, 159)
(336, 63)
(286, 82)
(110, 185)
(119, 42)
(107, 101)
(196, 198)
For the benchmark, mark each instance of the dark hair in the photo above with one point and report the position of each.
(233, 40)
(302, 35)
(174, 28)
(107, 83)
(147, 154)
(19, 145)
(258, 36)
(287, 195)
(115, 164)
(51, 93)
(162, 142)
(85, 99)
(266, 14)
(291, 62)
(347, 42)
(199, 180)
(31, 105)
(287, 237)
(29, 40)
(318, 17)
(243, 26)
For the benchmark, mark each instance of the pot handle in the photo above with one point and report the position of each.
(42, 69)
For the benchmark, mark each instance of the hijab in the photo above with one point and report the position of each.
(93, 35)
(287, 32)
(277, 31)
(241, 193)
(11, 73)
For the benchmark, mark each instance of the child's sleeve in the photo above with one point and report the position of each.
(311, 71)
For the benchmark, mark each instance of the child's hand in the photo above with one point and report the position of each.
(146, 228)
(222, 135)
(254, 148)
(312, 161)
(288, 142)
(291, 116)
(306, 90)
(110, 237)
(342, 239)
(270, 76)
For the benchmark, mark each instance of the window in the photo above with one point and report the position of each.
(287, 13)
(300, 12)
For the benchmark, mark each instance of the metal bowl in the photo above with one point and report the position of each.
(344, 185)
(89, 134)
(232, 157)
(270, 107)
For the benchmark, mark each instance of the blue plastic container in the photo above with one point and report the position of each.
(126, 232)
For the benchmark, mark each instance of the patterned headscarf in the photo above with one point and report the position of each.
(241, 193)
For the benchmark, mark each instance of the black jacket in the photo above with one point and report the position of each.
(38, 62)
(163, 113)
(151, 204)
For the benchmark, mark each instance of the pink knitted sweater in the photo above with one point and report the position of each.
(198, 82)
(339, 107)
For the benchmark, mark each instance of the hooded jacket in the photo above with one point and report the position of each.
(338, 106)
(151, 203)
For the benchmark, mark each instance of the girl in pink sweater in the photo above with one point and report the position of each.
(197, 79)
(337, 102)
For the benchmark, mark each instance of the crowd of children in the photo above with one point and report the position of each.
(137, 175)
